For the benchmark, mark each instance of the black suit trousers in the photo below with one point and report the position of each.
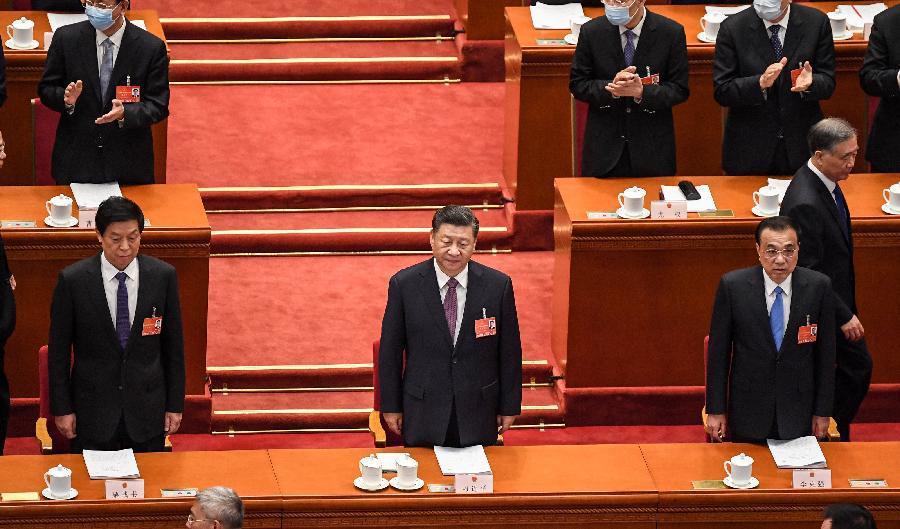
(851, 381)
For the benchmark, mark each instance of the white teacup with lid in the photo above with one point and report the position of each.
(632, 201)
(370, 470)
(739, 469)
(59, 481)
(60, 209)
(21, 33)
(710, 24)
(892, 198)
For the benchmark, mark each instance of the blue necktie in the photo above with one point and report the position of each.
(776, 42)
(843, 210)
(776, 319)
(123, 325)
(106, 66)
(629, 47)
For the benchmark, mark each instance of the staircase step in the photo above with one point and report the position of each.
(180, 8)
(372, 26)
(347, 196)
(345, 219)
(263, 49)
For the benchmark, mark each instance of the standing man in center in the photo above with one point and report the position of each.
(450, 363)
(758, 53)
(631, 68)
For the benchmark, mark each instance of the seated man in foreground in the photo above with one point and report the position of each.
(773, 330)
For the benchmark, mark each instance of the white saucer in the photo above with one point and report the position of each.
(360, 484)
(846, 36)
(68, 224)
(760, 213)
(889, 210)
(751, 485)
(34, 44)
(72, 493)
(570, 39)
(644, 214)
(703, 37)
(416, 485)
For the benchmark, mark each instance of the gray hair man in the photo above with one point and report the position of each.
(216, 508)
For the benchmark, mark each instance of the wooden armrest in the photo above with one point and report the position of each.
(43, 436)
(167, 447)
(379, 436)
(833, 434)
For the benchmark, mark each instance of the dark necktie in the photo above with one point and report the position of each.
(123, 325)
(776, 319)
(843, 210)
(776, 42)
(450, 307)
(106, 66)
(629, 47)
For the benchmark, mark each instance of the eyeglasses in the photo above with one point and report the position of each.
(98, 5)
(619, 3)
(191, 520)
(788, 253)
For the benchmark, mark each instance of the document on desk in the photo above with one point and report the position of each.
(802, 452)
(705, 203)
(89, 196)
(58, 20)
(471, 460)
(117, 464)
(859, 14)
(388, 460)
(545, 16)
(727, 11)
(781, 185)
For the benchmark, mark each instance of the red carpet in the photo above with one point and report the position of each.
(240, 50)
(336, 134)
(342, 219)
(283, 8)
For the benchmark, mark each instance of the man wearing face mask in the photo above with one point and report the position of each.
(631, 67)
(109, 80)
(758, 52)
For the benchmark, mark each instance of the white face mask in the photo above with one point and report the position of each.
(768, 10)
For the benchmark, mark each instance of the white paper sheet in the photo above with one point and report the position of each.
(706, 202)
(781, 186)
(862, 13)
(89, 196)
(471, 460)
(729, 10)
(389, 460)
(118, 464)
(58, 20)
(545, 16)
(802, 452)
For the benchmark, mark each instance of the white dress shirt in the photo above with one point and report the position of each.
(111, 286)
(116, 39)
(463, 279)
(782, 33)
(636, 30)
(785, 296)
(829, 183)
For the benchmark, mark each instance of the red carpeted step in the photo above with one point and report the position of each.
(343, 219)
(273, 311)
(22, 446)
(423, 24)
(278, 8)
(189, 50)
(604, 434)
(187, 443)
(336, 134)
(346, 196)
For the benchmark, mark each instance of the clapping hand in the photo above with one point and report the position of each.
(73, 92)
(627, 83)
(768, 77)
(804, 80)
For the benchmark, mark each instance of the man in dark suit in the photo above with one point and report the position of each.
(631, 67)
(815, 202)
(768, 115)
(7, 326)
(450, 363)
(880, 77)
(101, 136)
(117, 316)
(773, 331)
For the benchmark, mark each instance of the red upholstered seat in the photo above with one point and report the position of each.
(381, 435)
(52, 441)
(579, 120)
(44, 121)
(21, 5)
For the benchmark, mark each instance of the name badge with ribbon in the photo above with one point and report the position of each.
(807, 333)
(485, 326)
(153, 325)
(128, 93)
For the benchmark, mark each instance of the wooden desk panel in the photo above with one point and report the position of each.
(536, 486)
(179, 234)
(538, 143)
(632, 296)
(774, 504)
(24, 70)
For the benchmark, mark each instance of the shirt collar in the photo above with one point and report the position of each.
(783, 22)
(442, 278)
(829, 183)
(116, 37)
(636, 29)
(109, 271)
(770, 285)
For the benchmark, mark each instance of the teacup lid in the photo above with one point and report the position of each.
(635, 191)
(714, 17)
(741, 459)
(23, 23)
(895, 188)
(60, 199)
(370, 461)
(408, 460)
(59, 470)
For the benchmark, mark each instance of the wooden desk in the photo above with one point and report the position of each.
(774, 505)
(179, 234)
(483, 19)
(24, 70)
(535, 486)
(538, 145)
(633, 299)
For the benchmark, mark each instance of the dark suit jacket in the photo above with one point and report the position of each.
(7, 326)
(482, 375)
(126, 154)
(878, 77)
(790, 385)
(144, 381)
(743, 52)
(647, 126)
(823, 246)
(2, 78)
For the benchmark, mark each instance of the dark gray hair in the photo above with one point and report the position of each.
(777, 224)
(222, 504)
(827, 133)
(455, 216)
